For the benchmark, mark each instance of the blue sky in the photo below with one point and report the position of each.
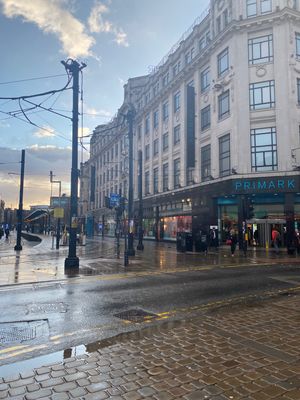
(117, 39)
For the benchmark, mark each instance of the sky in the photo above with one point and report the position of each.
(116, 39)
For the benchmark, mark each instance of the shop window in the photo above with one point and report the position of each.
(260, 49)
(205, 163)
(224, 105)
(223, 62)
(262, 95)
(224, 155)
(263, 149)
(205, 118)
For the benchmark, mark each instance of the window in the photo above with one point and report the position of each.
(147, 182)
(224, 105)
(177, 173)
(139, 131)
(205, 118)
(176, 68)
(155, 180)
(265, 6)
(298, 90)
(165, 79)
(165, 177)
(176, 135)
(205, 163)
(176, 102)
(251, 8)
(116, 171)
(117, 147)
(155, 119)
(223, 62)
(147, 152)
(147, 97)
(165, 141)
(260, 49)
(263, 149)
(205, 79)
(189, 56)
(155, 89)
(147, 125)
(204, 41)
(298, 45)
(155, 147)
(218, 23)
(112, 153)
(224, 155)
(225, 17)
(262, 95)
(165, 110)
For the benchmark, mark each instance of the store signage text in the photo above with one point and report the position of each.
(265, 185)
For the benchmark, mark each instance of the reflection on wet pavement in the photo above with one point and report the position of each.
(40, 263)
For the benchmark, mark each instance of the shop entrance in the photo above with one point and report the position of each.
(260, 231)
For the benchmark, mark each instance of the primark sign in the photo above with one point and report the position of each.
(266, 185)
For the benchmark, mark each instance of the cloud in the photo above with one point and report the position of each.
(50, 17)
(97, 113)
(44, 132)
(97, 24)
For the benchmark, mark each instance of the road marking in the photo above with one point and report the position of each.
(24, 351)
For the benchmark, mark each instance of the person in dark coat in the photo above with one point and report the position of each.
(233, 238)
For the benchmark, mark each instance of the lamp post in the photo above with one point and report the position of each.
(59, 205)
(18, 245)
(130, 117)
(72, 261)
(140, 245)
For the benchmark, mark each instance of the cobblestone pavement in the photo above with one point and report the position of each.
(239, 352)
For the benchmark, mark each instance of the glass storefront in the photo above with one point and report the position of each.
(149, 227)
(172, 225)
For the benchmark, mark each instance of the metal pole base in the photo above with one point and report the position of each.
(130, 251)
(18, 247)
(126, 261)
(72, 263)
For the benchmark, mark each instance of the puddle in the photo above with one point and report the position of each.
(38, 362)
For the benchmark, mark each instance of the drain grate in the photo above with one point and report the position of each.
(47, 308)
(22, 331)
(136, 315)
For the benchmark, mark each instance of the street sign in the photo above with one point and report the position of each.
(114, 200)
(58, 212)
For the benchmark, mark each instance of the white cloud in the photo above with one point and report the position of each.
(50, 17)
(44, 133)
(98, 24)
(97, 113)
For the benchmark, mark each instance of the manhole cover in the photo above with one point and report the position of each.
(136, 315)
(22, 331)
(47, 308)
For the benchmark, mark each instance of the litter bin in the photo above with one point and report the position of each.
(189, 241)
(181, 242)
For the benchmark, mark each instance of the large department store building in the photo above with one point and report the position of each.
(218, 124)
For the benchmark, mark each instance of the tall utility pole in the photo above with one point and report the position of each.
(72, 261)
(18, 245)
(130, 250)
(140, 245)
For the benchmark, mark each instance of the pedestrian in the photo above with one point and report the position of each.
(275, 239)
(256, 237)
(233, 241)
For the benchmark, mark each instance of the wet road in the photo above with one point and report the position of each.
(45, 317)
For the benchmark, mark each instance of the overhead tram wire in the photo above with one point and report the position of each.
(32, 79)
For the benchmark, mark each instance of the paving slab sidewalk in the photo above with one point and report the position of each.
(239, 352)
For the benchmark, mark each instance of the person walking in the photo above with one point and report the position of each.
(275, 239)
(233, 239)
